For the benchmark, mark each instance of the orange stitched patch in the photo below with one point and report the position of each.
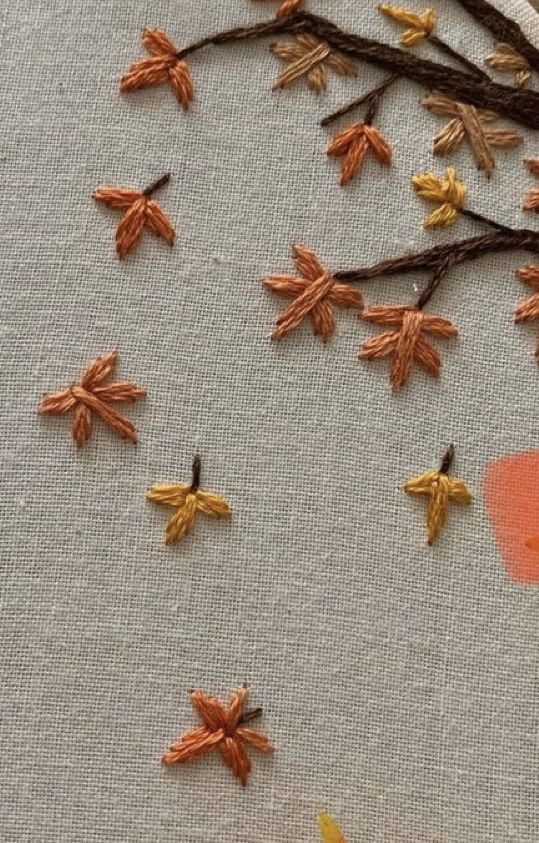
(511, 487)
(88, 395)
(406, 343)
(315, 293)
(140, 212)
(353, 143)
(287, 7)
(163, 65)
(222, 728)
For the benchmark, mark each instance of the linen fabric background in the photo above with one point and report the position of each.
(399, 682)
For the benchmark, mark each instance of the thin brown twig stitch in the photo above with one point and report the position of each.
(140, 212)
(503, 28)
(421, 27)
(88, 395)
(522, 106)
(315, 293)
(372, 98)
(222, 729)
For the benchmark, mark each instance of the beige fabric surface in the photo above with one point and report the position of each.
(399, 682)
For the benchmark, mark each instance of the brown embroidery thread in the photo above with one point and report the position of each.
(163, 65)
(503, 28)
(528, 310)
(88, 395)
(222, 728)
(531, 203)
(188, 502)
(468, 122)
(468, 87)
(140, 212)
(315, 292)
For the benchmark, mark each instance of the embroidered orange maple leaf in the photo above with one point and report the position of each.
(88, 395)
(287, 7)
(140, 212)
(222, 728)
(315, 293)
(164, 64)
(528, 310)
(531, 203)
(353, 144)
(406, 342)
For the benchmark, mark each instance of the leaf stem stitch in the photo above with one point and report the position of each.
(372, 98)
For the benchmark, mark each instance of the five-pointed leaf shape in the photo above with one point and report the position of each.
(221, 728)
(89, 394)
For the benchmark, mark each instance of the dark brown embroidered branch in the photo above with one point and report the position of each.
(503, 28)
(461, 251)
(522, 106)
(372, 97)
(449, 51)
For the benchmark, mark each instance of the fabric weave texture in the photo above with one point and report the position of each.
(399, 682)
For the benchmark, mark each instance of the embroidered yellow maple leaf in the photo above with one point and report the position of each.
(419, 26)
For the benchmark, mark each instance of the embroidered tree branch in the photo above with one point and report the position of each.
(503, 28)
(468, 87)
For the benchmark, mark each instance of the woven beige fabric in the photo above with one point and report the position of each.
(399, 682)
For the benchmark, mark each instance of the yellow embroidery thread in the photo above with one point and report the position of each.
(188, 501)
(420, 26)
(329, 830)
(442, 489)
(450, 192)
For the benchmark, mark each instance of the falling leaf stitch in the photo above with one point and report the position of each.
(222, 728)
(441, 489)
(139, 212)
(88, 395)
(531, 203)
(315, 293)
(188, 501)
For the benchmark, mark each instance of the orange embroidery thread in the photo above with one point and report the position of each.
(528, 310)
(140, 212)
(309, 57)
(87, 396)
(531, 203)
(222, 728)
(164, 64)
(406, 343)
(353, 144)
(315, 293)
(287, 7)
(188, 501)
